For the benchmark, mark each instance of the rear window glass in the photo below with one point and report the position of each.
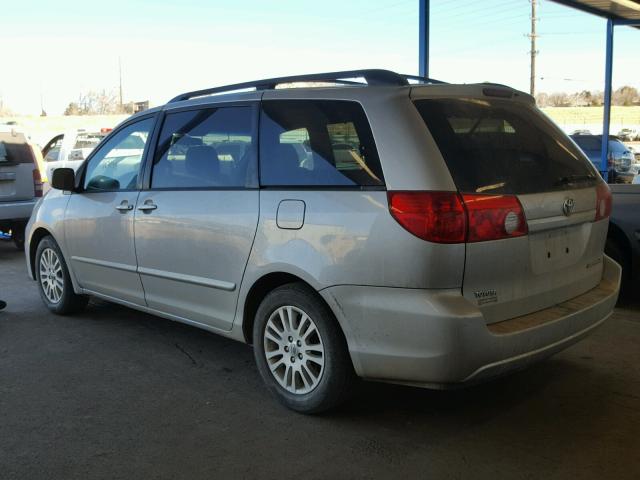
(503, 147)
(317, 143)
(588, 143)
(15, 149)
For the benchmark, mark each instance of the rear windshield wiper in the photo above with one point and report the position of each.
(569, 179)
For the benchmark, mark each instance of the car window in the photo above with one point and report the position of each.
(208, 148)
(317, 143)
(116, 165)
(15, 149)
(616, 146)
(52, 149)
(588, 143)
(503, 147)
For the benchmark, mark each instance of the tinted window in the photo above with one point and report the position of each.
(15, 149)
(206, 149)
(503, 147)
(616, 146)
(116, 165)
(588, 143)
(317, 143)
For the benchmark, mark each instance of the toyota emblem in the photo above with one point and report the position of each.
(568, 206)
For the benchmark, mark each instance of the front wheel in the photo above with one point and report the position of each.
(54, 281)
(300, 351)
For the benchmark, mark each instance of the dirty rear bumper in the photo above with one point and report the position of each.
(439, 339)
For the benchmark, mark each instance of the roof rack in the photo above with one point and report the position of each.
(371, 77)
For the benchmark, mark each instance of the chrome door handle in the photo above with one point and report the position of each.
(124, 207)
(147, 207)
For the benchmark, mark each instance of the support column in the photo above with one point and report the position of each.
(604, 154)
(423, 52)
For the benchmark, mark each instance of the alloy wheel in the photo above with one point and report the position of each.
(51, 275)
(294, 350)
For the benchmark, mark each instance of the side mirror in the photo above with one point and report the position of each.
(64, 179)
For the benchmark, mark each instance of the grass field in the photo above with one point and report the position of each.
(620, 116)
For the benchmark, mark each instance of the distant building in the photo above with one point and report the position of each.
(140, 106)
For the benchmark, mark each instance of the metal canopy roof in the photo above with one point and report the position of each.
(624, 11)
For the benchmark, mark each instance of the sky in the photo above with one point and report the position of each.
(58, 49)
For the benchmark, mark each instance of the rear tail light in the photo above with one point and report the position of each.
(448, 217)
(492, 217)
(37, 183)
(434, 216)
(603, 201)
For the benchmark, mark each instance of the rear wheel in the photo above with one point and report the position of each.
(300, 351)
(54, 281)
(17, 235)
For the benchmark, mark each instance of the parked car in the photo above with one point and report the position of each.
(20, 183)
(624, 232)
(582, 132)
(628, 135)
(70, 149)
(620, 157)
(461, 236)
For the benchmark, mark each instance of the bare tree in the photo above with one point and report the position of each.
(95, 102)
(625, 96)
(559, 99)
(542, 99)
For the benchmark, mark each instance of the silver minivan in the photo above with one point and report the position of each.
(366, 225)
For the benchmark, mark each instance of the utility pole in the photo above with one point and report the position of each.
(120, 74)
(533, 36)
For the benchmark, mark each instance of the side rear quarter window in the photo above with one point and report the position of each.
(325, 143)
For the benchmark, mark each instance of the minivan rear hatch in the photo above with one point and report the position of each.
(500, 149)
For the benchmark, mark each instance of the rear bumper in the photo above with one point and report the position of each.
(439, 339)
(20, 210)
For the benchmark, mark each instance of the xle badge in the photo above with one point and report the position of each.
(486, 296)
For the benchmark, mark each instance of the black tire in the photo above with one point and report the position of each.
(69, 301)
(615, 251)
(17, 235)
(337, 379)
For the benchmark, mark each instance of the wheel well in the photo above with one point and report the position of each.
(616, 234)
(38, 235)
(256, 294)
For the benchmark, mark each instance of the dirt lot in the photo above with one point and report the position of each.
(117, 394)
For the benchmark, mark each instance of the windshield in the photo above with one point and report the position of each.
(503, 147)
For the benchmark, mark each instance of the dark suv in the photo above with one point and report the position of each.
(620, 157)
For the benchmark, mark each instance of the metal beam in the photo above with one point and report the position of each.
(423, 53)
(628, 23)
(608, 73)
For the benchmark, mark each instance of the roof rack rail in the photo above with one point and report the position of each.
(424, 79)
(371, 77)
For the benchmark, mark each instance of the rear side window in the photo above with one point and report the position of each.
(503, 147)
(15, 149)
(209, 148)
(616, 146)
(588, 143)
(317, 143)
